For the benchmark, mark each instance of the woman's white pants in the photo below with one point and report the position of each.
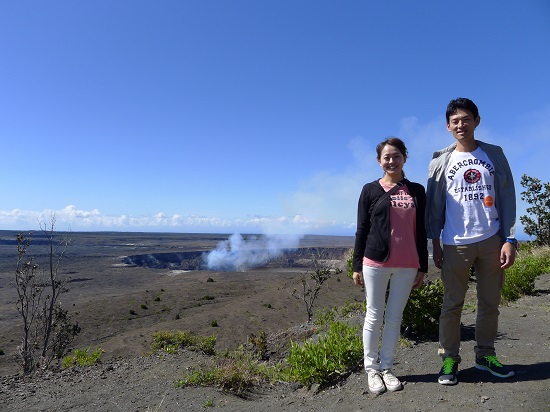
(376, 283)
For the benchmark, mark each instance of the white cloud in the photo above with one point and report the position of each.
(71, 218)
(330, 199)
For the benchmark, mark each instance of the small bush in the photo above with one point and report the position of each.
(167, 341)
(46, 327)
(421, 314)
(235, 373)
(144, 306)
(258, 345)
(214, 323)
(352, 307)
(520, 278)
(331, 357)
(133, 312)
(324, 317)
(171, 348)
(157, 299)
(207, 297)
(82, 358)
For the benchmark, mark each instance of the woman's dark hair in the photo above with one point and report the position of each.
(395, 142)
(392, 141)
(461, 103)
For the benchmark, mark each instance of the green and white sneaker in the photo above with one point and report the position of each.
(491, 364)
(448, 372)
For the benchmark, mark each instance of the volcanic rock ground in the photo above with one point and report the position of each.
(104, 289)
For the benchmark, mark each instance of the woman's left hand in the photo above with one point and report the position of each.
(358, 278)
(418, 279)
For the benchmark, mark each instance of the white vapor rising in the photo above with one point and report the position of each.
(239, 254)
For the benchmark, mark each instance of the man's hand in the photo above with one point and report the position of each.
(437, 253)
(507, 255)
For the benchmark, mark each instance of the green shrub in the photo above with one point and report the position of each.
(324, 317)
(179, 338)
(520, 278)
(421, 314)
(234, 373)
(168, 340)
(82, 358)
(214, 324)
(334, 355)
(352, 307)
(207, 297)
(258, 345)
(171, 348)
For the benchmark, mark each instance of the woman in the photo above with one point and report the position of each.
(390, 246)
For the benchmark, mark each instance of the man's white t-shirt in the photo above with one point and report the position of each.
(470, 215)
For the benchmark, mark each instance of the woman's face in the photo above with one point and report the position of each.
(391, 161)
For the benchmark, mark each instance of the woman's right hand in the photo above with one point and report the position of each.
(358, 278)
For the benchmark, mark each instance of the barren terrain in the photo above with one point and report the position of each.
(120, 305)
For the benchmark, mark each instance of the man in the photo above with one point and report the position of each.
(471, 205)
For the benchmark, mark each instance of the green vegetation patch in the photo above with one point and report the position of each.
(169, 341)
(333, 356)
(236, 373)
(82, 357)
(530, 263)
(421, 314)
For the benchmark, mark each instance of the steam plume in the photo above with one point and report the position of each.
(239, 254)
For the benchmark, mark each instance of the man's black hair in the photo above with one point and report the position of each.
(461, 103)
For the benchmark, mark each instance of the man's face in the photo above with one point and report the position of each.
(462, 125)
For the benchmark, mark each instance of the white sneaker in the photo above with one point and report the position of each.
(392, 383)
(376, 385)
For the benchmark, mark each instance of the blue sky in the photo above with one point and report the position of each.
(251, 116)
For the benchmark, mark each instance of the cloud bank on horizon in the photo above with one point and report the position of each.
(70, 218)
